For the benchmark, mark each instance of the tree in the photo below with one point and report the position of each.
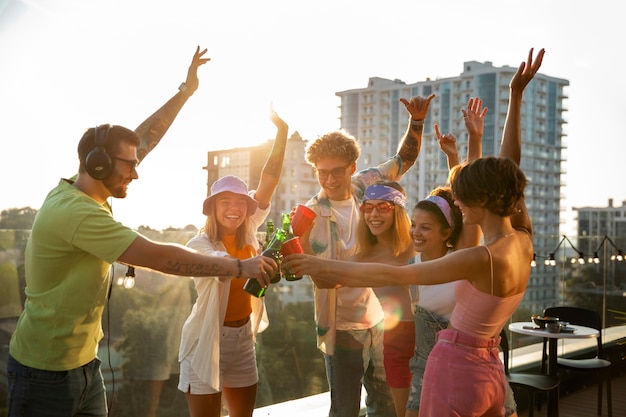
(17, 218)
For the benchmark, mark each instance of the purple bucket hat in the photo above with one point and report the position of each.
(231, 184)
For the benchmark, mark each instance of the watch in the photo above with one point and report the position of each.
(183, 88)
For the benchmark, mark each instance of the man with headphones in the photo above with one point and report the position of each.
(53, 369)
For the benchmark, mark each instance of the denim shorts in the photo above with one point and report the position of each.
(35, 392)
(427, 325)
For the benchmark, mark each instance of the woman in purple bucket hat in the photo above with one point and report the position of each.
(218, 355)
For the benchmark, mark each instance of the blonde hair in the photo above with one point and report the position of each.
(213, 229)
(401, 238)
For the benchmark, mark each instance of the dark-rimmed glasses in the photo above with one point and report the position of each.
(131, 162)
(382, 208)
(336, 173)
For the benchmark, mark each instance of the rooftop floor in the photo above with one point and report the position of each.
(583, 402)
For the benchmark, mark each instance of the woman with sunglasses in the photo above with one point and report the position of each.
(383, 236)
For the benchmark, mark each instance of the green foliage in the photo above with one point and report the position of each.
(290, 365)
(17, 218)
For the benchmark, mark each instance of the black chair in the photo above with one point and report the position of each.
(533, 383)
(588, 318)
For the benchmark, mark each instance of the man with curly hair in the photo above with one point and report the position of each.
(349, 320)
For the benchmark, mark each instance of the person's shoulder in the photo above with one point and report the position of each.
(200, 239)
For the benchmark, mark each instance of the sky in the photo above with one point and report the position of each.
(66, 65)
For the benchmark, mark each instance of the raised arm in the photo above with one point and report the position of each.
(474, 118)
(473, 115)
(270, 177)
(511, 146)
(152, 130)
(447, 145)
(411, 142)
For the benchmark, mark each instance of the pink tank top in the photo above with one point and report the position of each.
(479, 313)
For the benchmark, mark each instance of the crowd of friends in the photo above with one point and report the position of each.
(409, 302)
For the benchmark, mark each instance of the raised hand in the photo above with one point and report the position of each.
(417, 106)
(192, 73)
(526, 71)
(447, 144)
(278, 122)
(474, 116)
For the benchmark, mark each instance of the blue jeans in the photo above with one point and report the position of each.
(358, 359)
(38, 393)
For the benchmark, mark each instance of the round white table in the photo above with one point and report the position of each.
(577, 332)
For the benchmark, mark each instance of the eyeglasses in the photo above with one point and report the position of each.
(336, 173)
(131, 162)
(382, 208)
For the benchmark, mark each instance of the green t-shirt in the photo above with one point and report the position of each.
(73, 242)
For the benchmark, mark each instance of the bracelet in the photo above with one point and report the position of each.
(238, 266)
(417, 122)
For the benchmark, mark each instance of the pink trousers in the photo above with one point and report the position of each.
(464, 377)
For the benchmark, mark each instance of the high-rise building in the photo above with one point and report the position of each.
(596, 224)
(378, 119)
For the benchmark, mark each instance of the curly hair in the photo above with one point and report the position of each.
(336, 144)
(455, 212)
(366, 241)
(496, 184)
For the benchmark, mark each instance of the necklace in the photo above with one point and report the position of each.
(494, 238)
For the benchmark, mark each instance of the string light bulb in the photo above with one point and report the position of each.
(550, 261)
(129, 278)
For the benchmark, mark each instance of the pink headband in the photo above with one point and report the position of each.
(444, 206)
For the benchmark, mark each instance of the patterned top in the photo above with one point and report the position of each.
(325, 239)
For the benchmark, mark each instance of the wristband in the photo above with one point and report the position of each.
(238, 266)
(417, 122)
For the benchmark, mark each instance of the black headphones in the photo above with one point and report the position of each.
(98, 162)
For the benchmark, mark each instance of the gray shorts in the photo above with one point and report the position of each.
(237, 363)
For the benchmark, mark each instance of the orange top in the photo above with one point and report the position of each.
(239, 306)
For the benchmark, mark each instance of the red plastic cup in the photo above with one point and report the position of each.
(291, 246)
(302, 219)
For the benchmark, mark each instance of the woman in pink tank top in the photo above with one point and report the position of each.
(464, 375)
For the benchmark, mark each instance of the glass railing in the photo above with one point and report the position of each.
(145, 313)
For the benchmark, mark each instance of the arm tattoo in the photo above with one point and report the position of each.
(409, 150)
(417, 129)
(151, 132)
(274, 164)
(195, 270)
